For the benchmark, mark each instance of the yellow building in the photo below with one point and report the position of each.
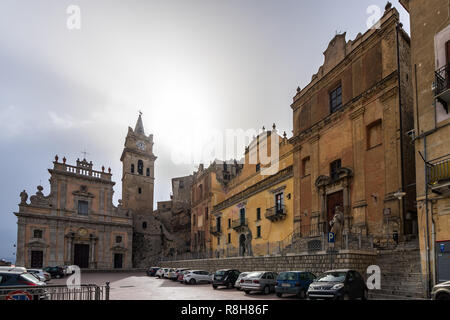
(256, 217)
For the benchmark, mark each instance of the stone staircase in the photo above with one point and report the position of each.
(401, 277)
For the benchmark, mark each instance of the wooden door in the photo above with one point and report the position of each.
(81, 255)
(37, 259)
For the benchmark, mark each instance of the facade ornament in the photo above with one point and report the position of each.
(23, 197)
(336, 223)
(109, 170)
(299, 89)
(64, 160)
(56, 158)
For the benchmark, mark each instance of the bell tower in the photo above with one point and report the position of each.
(138, 174)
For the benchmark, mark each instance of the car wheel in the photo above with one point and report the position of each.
(58, 276)
(214, 287)
(192, 281)
(279, 295)
(443, 296)
(302, 294)
(247, 291)
(346, 297)
(266, 290)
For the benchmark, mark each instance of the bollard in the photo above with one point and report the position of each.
(107, 291)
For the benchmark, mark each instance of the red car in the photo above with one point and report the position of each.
(181, 275)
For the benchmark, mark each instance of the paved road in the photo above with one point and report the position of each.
(138, 286)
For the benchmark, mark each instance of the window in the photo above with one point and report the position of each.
(258, 214)
(83, 208)
(144, 225)
(258, 167)
(334, 168)
(306, 169)
(132, 168)
(181, 184)
(374, 134)
(139, 190)
(242, 216)
(218, 222)
(279, 201)
(148, 172)
(118, 239)
(229, 223)
(141, 167)
(218, 241)
(193, 220)
(336, 99)
(37, 234)
(229, 238)
(258, 231)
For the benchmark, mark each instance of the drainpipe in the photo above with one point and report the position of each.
(397, 28)
(427, 236)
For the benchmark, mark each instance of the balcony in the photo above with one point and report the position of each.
(215, 230)
(276, 213)
(238, 224)
(438, 174)
(442, 86)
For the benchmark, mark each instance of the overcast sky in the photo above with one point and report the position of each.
(189, 65)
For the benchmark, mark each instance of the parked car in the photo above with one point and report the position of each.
(15, 278)
(55, 272)
(225, 277)
(262, 281)
(341, 284)
(441, 291)
(237, 284)
(160, 272)
(70, 269)
(166, 272)
(13, 268)
(43, 276)
(172, 274)
(294, 282)
(177, 273)
(151, 272)
(181, 275)
(197, 276)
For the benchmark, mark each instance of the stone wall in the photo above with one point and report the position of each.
(316, 263)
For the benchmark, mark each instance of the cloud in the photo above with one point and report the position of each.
(66, 121)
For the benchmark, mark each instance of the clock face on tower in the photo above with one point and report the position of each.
(140, 145)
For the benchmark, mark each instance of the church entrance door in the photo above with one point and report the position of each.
(81, 255)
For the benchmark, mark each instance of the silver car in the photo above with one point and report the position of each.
(197, 276)
(237, 284)
(262, 281)
(41, 274)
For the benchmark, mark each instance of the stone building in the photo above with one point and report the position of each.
(76, 223)
(255, 218)
(207, 190)
(430, 62)
(352, 155)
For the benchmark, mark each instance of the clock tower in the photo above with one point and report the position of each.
(138, 170)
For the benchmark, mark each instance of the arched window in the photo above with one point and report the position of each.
(132, 168)
(141, 167)
(148, 172)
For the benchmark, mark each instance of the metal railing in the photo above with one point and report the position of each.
(56, 292)
(311, 230)
(442, 79)
(235, 224)
(276, 213)
(438, 170)
(215, 230)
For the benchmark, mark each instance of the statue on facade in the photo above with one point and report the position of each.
(248, 243)
(337, 222)
(23, 197)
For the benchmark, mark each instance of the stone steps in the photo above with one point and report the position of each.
(384, 296)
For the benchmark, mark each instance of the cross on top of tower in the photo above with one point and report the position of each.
(84, 153)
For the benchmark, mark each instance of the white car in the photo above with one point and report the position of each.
(237, 284)
(166, 272)
(197, 276)
(41, 274)
(160, 272)
(70, 269)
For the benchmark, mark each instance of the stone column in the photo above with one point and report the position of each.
(315, 165)
(20, 245)
(359, 190)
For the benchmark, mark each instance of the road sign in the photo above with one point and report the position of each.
(331, 237)
(19, 295)
(442, 246)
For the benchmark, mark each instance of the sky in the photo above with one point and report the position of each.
(190, 66)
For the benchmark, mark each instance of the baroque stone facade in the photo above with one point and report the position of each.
(351, 149)
(76, 223)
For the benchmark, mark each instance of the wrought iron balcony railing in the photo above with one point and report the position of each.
(442, 86)
(239, 223)
(276, 213)
(215, 230)
(439, 170)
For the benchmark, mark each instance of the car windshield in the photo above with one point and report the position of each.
(243, 274)
(220, 272)
(255, 274)
(332, 277)
(287, 276)
(29, 277)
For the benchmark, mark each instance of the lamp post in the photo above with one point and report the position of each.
(399, 195)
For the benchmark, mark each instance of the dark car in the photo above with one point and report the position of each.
(225, 277)
(55, 272)
(151, 272)
(294, 282)
(341, 284)
(21, 279)
(441, 291)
